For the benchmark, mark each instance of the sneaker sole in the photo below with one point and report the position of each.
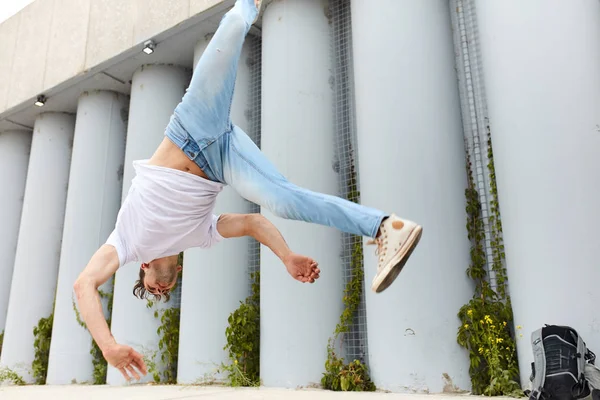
(390, 273)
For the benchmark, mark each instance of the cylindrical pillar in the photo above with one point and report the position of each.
(93, 201)
(14, 160)
(412, 163)
(297, 136)
(155, 92)
(214, 280)
(38, 249)
(543, 90)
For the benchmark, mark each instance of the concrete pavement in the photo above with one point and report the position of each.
(153, 392)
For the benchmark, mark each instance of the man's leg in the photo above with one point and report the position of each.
(255, 178)
(205, 108)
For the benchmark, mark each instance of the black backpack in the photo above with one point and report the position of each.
(559, 369)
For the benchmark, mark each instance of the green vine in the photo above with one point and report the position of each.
(150, 355)
(8, 375)
(497, 241)
(100, 366)
(353, 376)
(168, 343)
(42, 334)
(486, 320)
(243, 340)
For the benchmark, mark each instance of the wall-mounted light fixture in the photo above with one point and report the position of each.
(149, 46)
(41, 100)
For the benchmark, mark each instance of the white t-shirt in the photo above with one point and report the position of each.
(165, 212)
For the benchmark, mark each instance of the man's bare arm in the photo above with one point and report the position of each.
(256, 226)
(302, 268)
(102, 266)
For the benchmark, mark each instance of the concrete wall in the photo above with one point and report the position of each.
(51, 41)
(543, 90)
(297, 124)
(540, 67)
(413, 164)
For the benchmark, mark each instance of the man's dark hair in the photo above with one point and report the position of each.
(139, 290)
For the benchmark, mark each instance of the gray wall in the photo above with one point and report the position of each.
(51, 41)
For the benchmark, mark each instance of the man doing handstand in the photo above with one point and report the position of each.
(169, 207)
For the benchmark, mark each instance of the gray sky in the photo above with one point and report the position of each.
(8, 8)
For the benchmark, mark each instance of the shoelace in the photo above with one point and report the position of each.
(381, 248)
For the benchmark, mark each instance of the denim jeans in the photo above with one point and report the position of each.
(202, 128)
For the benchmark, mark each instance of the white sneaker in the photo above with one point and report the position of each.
(395, 244)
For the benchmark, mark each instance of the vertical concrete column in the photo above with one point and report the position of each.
(412, 162)
(155, 92)
(543, 88)
(298, 136)
(214, 280)
(38, 248)
(14, 159)
(93, 201)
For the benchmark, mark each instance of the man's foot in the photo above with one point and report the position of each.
(395, 243)
(302, 268)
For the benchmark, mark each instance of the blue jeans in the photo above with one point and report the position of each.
(202, 128)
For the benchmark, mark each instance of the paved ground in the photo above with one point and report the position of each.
(151, 392)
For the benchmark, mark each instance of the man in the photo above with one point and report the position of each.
(169, 207)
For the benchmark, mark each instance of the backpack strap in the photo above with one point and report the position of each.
(539, 360)
(584, 355)
(592, 375)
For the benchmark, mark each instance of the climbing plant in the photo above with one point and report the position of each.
(42, 334)
(497, 242)
(353, 376)
(486, 320)
(168, 343)
(243, 340)
(7, 374)
(338, 375)
(100, 366)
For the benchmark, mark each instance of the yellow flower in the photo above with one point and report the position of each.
(493, 326)
(481, 321)
(488, 319)
(470, 312)
(519, 327)
(499, 340)
(235, 362)
(466, 326)
(481, 350)
(504, 323)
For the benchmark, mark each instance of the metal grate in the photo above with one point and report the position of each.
(474, 110)
(255, 64)
(176, 293)
(355, 342)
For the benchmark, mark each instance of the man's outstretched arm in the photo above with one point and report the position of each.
(302, 268)
(102, 266)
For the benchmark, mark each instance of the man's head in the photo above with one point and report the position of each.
(157, 278)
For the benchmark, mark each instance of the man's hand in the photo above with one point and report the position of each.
(302, 268)
(128, 361)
